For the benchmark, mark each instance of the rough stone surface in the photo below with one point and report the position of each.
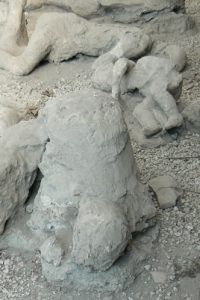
(153, 15)
(191, 115)
(141, 12)
(51, 251)
(21, 151)
(159, 277)
(166, 190)
(190, 286)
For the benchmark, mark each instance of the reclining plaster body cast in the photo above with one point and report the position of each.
(74, 35)
(156, 79)
(61, 36)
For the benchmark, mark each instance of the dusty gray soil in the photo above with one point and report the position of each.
(177, 253)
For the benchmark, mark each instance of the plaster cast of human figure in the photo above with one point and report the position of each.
(156, 79)
(14, 35)
(61, 36)
(10, 114)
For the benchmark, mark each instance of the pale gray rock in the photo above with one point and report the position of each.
(52, 252)
(100, 234)
(21, 151)
(159, 276)
(29, 208)
(191, 115)
(79, 7)
(166, 190)
(190, 286)
(162, 16)
(168, 23)
(155, 16)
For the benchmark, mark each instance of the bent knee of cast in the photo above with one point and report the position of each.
(21, 68)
